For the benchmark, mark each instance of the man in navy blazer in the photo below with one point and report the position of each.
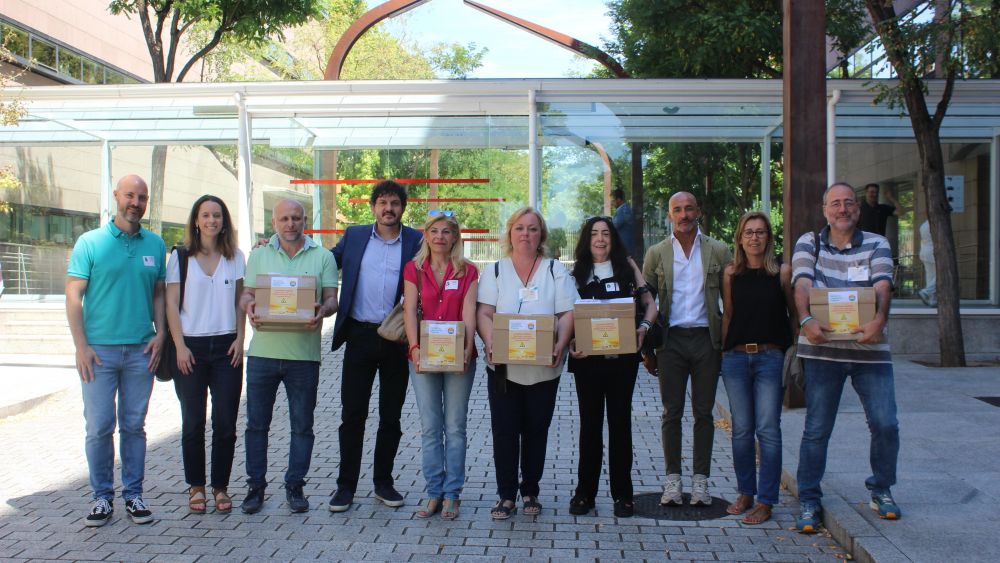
(370, 259)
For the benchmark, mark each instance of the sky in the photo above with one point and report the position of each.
(513, 53)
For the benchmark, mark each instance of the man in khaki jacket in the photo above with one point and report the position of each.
(686, 270)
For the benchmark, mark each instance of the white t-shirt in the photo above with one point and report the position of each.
(556, 294)
(209, 301)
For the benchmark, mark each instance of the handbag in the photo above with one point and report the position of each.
(393, 327)
(793, 379)
(167, 369)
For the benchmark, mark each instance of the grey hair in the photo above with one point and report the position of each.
(837, 185)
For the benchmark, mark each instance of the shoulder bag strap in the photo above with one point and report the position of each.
(182, 263)
(420, 302)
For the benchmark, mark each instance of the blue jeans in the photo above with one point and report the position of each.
(123, 376)
(301, 379)
(443, 401)
(753, 385)
(824, 386)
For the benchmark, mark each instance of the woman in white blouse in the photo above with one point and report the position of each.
(207, 328)
(522, 398)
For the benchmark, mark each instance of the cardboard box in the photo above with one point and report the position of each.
(523, 339)
(604, 327)
(442, 346)
(285, 303)
(844, 309)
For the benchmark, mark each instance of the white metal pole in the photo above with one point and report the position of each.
(243, 177)
(317, 196)
(765, 174)
(995, 217)
(532, 150)
(106, 212)
(831, 138)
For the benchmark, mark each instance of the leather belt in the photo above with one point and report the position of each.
(754, 347)
(365, 324)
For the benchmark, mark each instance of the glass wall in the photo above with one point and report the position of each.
(54, 199)
(895, 167)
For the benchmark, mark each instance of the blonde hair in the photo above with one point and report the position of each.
(508, 248)
(457, 257)
(740, 256)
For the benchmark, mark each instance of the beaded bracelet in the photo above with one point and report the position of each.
(803, 322)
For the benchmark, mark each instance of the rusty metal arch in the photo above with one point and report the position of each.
(396, 7)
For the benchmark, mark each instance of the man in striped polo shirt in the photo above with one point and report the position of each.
(847, 257)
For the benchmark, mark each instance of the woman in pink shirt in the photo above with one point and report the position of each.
(447, 288)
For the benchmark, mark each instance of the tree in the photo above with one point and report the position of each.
(11, 111)
(913, 46)
(247, 21)
(456, 60)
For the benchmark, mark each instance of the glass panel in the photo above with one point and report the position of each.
(895, 167)
(70, 63)
(93, 72)
(114, 77)
(43, 52)
(15, 40)
(40, 219)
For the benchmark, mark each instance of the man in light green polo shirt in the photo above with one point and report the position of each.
(114, 295)
(291, 358)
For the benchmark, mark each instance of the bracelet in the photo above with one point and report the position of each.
(803, 322)
(646, 324)
(409, 353)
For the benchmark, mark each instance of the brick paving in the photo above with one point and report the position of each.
(43, 483)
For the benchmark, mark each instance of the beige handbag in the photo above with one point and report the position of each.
(393, 327)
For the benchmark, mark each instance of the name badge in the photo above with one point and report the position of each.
(858, 273)
(451, 284)
(528, 294)
(149, 261)
(611, 286)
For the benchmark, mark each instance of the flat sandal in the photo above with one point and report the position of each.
(450, 508)
(428, 507)
(196, 500)
(223, 502)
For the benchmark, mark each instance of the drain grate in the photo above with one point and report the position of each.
(995, 401)
(647, 505)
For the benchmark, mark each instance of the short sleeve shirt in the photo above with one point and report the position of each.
(209, 307)
(556, 290)
(122, 271)
(832, 270)
(442, 303)
(310, 260)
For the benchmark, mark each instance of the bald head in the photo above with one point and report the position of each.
(288, 217)
(682, 198)
(132, 180)
(132, 196)
(683, 212)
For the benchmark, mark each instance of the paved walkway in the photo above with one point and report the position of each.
(43, 484)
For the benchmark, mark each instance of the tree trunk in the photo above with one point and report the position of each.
(950, 338)
(158, 167)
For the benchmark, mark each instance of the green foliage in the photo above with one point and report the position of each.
(455, 60)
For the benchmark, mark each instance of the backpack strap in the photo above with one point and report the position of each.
(182, 264)
(552, 263)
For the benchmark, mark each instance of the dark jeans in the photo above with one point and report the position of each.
(213, 373)
(520, 418)
(366, 353)
(875, 386)
(301, 379)
(688, 351)
(611, 381)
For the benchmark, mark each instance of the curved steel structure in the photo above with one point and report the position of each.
(359, 27)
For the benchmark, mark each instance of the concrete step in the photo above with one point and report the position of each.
(9, 361)
(35, 327)
(22, 314)
(36, 344)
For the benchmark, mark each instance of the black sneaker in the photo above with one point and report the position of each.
(138, 511)
(254, 501)
(389, 497)
(580, 505)
(296, 500)
(624, 508)
(341, 500)
(100, 513)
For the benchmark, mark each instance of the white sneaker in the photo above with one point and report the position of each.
(699, 491)
(673, 491)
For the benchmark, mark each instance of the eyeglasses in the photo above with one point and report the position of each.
(749, 233)
(845, 204)
(445, 212)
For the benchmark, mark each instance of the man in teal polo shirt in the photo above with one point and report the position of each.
(114, 295)
(291, 358)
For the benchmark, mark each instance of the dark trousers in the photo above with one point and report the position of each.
(366, 353)
(213, 374)
(689, 351)
(599, 382)
(520, 418)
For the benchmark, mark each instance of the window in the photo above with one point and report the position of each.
(70, 63)
(43, 52)
(93, 73)
(15, 40)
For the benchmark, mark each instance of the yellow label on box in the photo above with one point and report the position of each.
(604, 334)
(284, 297)
(521, 343)
(441, 344)
(844, 317)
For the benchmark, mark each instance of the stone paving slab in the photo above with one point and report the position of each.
(43, 484)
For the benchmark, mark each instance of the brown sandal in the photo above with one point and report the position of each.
(740, 505)
(760, 514)
(196, 500)
(428, 507)
(223, 503)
